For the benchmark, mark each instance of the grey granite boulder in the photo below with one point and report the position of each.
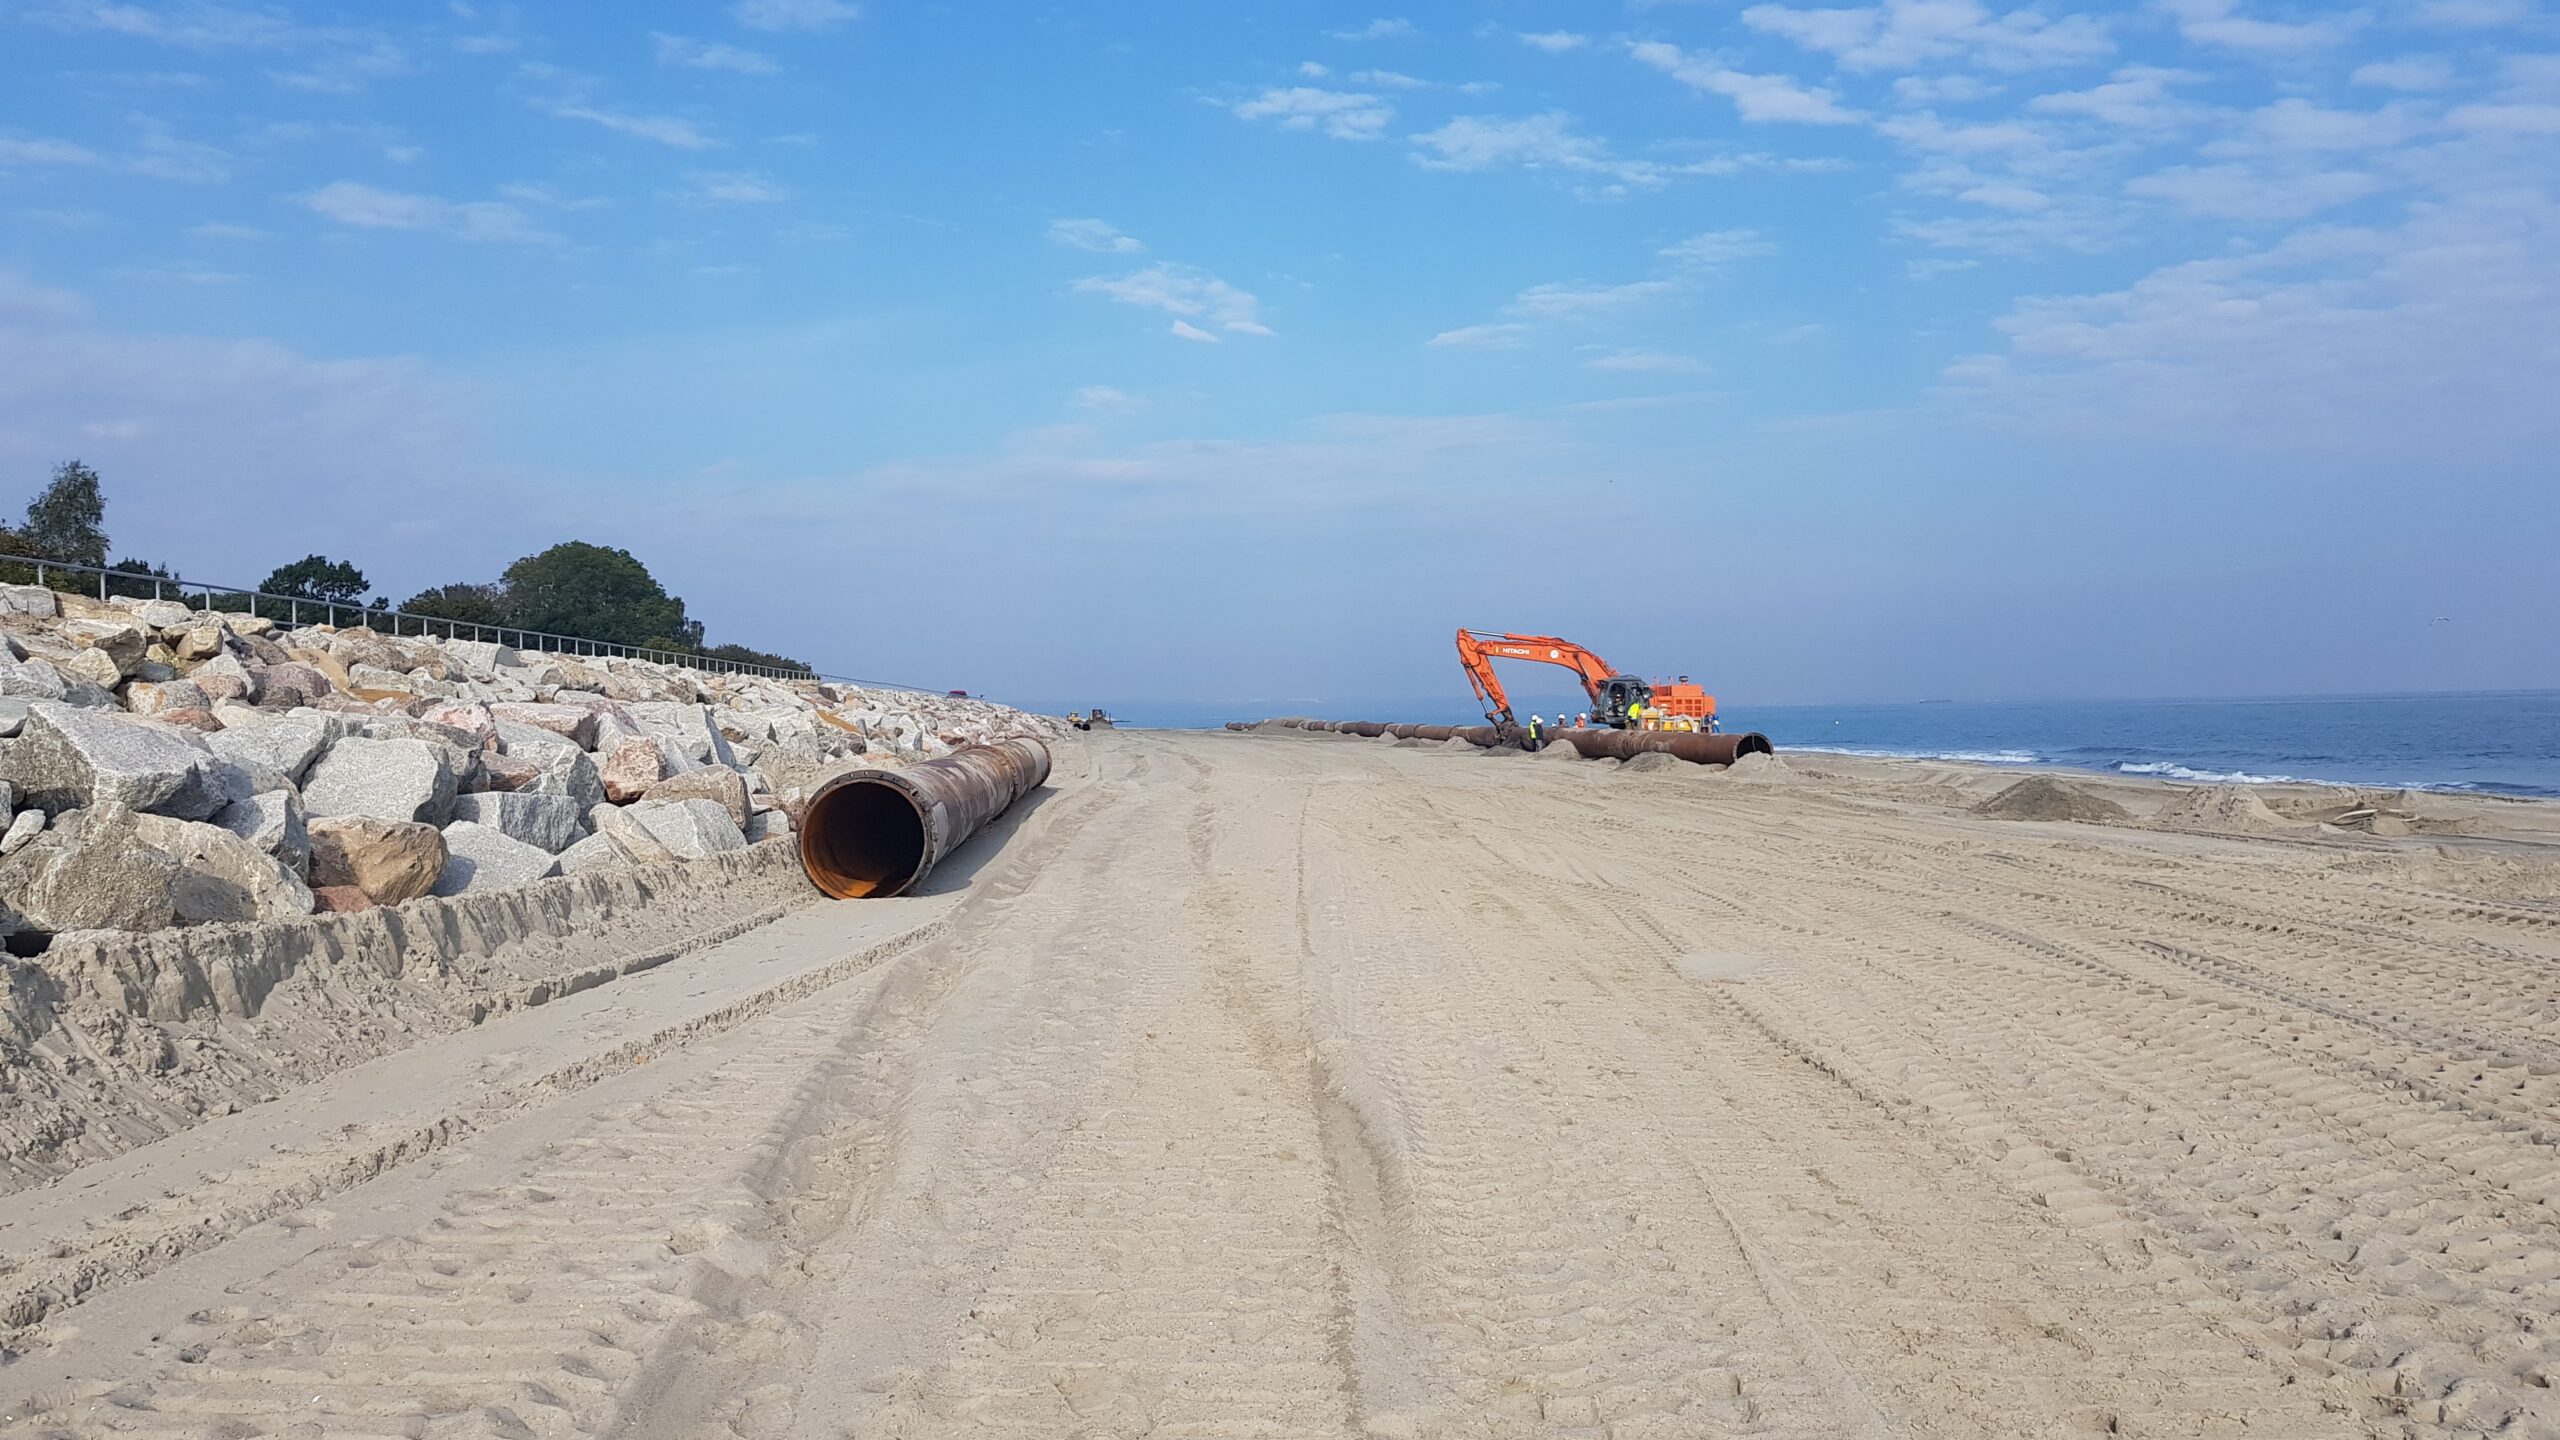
(273, 821)
(767, 825)
(690, 828)
(69, 758)
(479, 857)
(285, 743)
(31, 680)
(34, 601)
(691, 727)
(91, 871)
(221, 877)
(552, 822)
(596, 852)
(121, 642)
(23, 829)
(387, 779)
(573, 774)
(531, 742)
(633, 838)
(725, 787)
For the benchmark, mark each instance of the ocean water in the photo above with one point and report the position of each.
(2505, 743)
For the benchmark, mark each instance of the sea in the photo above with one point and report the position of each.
(2501, 743)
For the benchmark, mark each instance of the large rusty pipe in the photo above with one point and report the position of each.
(877, 833)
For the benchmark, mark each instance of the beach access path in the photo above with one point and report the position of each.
(1260, 1085)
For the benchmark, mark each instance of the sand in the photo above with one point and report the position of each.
(2042, 797)
(1259, 1086)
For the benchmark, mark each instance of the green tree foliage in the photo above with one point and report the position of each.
(140, 588)
(317, 577)
(465, 603)
(68, 521)
(595, 593)
(746, 656)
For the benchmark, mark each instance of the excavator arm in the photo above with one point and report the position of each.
(1478, 649)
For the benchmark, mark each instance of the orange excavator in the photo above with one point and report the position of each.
(1669, 705)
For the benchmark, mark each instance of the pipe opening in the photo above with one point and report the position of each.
(862, 838)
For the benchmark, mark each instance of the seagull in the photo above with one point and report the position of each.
(2441, 620)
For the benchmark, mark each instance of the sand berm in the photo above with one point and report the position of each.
(1264, 1085)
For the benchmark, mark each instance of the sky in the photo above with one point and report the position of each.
(1097, 353)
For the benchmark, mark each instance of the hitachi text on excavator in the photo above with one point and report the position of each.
(1619, 701)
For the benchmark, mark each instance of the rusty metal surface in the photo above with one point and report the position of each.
(877, 833)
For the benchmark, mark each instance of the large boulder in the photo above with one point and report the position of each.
(596, 852)
(144, 697)
(226, 677)
(552, 822)
(290, 683)
(69, 758)
(724, 787)
(635, 840)
(121, 641)
(464, 717)
(157, 615)
(572, 774)
(691, 829)
(97, 667)
(531, 742)
(31, 679)
(573, 723)
(31, 601)
(691, 727)
(767, 825)
(631, 768)
(480, 659)
(272, 820)
(389, 860)
(480, 857)
(91, 871)
(199, 642)
(24, 827)
(286, 744)
(221, 877)
(387, 779)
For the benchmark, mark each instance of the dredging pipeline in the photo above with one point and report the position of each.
(1696, 747)
(877, 833)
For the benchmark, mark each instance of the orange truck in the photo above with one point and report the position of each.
(1618, 700)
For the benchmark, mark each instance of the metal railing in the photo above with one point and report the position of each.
(297, 611)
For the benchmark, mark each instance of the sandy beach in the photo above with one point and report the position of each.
(1265, 1084)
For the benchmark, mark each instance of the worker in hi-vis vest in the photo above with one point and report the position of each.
(1635, 714)
(1537, 723)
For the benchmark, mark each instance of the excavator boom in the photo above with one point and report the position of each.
(1611, 690)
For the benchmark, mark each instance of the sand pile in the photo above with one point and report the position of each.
(2042, 797)
(1760, 770)
(2231, 809)
(1655, 763)
(1559, 750)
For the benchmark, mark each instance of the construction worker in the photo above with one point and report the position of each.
(1635, 714)
(1537, 723)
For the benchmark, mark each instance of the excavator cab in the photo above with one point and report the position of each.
(1614, 695)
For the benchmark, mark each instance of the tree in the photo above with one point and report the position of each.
(118, 585)
(745, 656)
(595, 593)
(68, 521)
(468, 603)
(317, 577)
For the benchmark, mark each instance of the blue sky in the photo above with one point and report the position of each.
(1086, 353)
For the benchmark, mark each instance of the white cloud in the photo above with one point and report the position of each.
(1554, 42)
(1187, 294)
(2241, 192)
(1546, 142)
(18, 153)
(2136, 98)
(1376, 30)
(1584, 302)
(1340, 114)
(1645, 362)
(1504, 336)
(711, 55)
(1942, 89)
(2297, 125)
(2409, 72)
(794, 14)
(2218, 22)
(1096, 235)
(665, 129)
(1313, 69)
(1900, 34)
(734, 188)
(1388, 80)
(1107, 399)
(1715, 249)
(2507, 119)
(346, 70)
(1931, 269)
(190, 27)
(2415, 341)
(1759, 98)
(366, 207)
